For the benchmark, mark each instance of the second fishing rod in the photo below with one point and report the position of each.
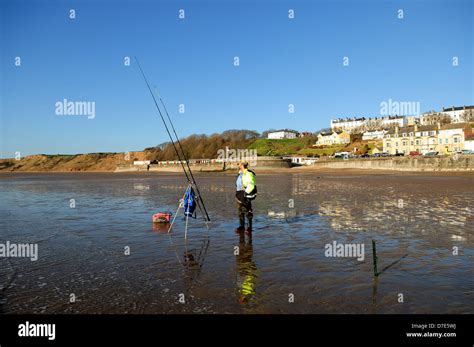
(189, 177)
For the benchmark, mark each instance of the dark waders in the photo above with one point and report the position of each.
(245, 209)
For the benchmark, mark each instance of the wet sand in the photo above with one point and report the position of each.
(415, 218)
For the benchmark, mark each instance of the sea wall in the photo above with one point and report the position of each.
(267, 162)
(448, 163)
(260, 163)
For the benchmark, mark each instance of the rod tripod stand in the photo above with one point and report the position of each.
(180, 206)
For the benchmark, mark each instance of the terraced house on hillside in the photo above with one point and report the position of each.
(444, 139)
(333, 138)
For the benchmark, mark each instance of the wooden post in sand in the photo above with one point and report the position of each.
(374, 257)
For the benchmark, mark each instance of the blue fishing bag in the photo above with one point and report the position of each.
(190, 203)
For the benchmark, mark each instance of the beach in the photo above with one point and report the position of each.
(415, 220)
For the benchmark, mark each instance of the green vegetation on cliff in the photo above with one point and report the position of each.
(283, 146)
(205, 146)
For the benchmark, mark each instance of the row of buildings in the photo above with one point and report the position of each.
(444, 139)
(351, 125)
(460, 114)
(282, 134)
(401, 134)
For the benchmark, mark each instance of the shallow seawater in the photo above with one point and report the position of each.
(417, 223)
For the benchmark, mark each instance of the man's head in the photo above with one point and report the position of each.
(243, 165)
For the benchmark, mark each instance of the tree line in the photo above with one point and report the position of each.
(204, 146)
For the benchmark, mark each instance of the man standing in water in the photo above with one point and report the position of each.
(245, 192)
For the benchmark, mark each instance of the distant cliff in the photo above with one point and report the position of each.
(67, 163)
(195, 146)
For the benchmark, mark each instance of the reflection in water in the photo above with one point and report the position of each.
(375, 285)
(375, 282)
(161, 227)
(384, 211)
(281, 214)
(7, 277)
(246, 269)
(139, 186)
(192, 260)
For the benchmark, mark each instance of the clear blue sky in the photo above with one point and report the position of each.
(282, 61)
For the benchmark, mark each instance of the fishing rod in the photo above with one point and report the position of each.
(179, 157)
(204, 213)
(191, 179)
(162, 118)
(185, 159)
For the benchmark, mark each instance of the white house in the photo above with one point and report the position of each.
(469, 143)
(334, 138)
(399, 121)
(141, 162)
(451, 137)
(282, 134)
(374, 135)
(347, 124)
(351, 124)
(455, 113)
(297, 160)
